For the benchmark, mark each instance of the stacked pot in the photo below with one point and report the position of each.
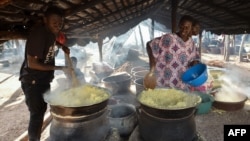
(138, 74)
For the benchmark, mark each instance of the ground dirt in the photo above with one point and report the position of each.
(14, 114)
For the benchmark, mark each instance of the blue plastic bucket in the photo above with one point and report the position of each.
(196, 75)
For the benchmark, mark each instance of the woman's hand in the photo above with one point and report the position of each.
(193, 62)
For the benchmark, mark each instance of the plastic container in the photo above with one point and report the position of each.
(196, 75)
(206, 103)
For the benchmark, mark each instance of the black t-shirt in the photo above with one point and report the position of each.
(40, 43)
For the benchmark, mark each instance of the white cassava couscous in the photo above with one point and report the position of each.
(80, 96)
(168, 99)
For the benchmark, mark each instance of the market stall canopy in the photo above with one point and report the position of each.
(86, 20)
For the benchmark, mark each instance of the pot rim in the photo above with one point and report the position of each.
(79, 117)
(61, 106)
(127, 76)
(131, 106)
(166, 119)
(137, 79)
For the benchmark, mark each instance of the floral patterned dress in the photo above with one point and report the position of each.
(172, 55)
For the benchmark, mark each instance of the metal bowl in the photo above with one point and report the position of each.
(118, 83)
(230, 106)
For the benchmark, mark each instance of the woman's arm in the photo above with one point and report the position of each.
(150, 55)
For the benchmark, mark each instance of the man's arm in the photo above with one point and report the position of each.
(33, 63)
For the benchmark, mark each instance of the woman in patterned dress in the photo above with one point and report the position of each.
(171, 54)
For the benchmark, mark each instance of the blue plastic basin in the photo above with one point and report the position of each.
(196, 75)
(206, 103)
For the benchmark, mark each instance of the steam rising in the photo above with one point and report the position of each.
(235, 85)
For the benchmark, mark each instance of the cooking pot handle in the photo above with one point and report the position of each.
(109, 111)
(195, 111)
(138, 110)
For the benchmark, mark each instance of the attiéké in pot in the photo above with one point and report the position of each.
(78, 120)
(173, 122)
(188, 103)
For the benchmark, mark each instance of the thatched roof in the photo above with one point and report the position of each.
(87, 20)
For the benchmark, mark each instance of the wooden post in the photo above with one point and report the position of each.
(142, 42)
(200, 38)
(241, 47)
(227, 48)
(152, 29)
(233, 44)
(173, 14)
(100, 43)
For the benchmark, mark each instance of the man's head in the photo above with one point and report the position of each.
(53, 19)
(74, 61)
(185, 26)
(196, 28)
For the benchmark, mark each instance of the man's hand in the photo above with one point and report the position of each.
(64, 48)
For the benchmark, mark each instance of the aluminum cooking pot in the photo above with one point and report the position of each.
(152, 128)
(170, 113)
(81, 110)
(78, 111)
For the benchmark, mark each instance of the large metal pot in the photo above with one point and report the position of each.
(169, 113)
(88, 123)
(152, 128)
(94, 127)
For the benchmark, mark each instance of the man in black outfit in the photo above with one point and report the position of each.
(37, 71)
